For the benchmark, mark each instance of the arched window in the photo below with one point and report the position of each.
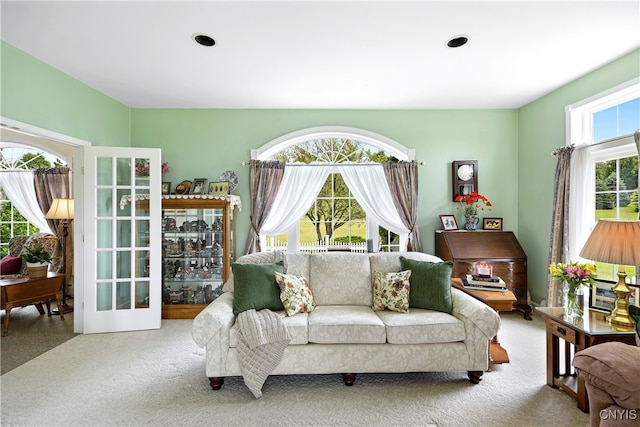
(335, 220)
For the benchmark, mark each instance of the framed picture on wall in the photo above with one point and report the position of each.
(448, 222)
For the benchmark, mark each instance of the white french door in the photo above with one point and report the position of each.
(121, 209)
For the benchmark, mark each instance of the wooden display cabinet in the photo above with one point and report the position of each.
(498, 248)
(198, 246)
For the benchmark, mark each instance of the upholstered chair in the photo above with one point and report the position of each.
(611, 372)
(49, 242)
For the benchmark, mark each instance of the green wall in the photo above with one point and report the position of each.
(541, 130)
(513, 147)
(40, 95)
(205, 143)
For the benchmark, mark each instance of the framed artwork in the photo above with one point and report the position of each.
(220, 187)
(602, 297)
(166, 187)
(464, 177)
(492, 223)
(198, 186)
(448, 222)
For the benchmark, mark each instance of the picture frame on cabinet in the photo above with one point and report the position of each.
(448, 222)
(219, 187)
(199, 186)
(492, 224)
(166, 187)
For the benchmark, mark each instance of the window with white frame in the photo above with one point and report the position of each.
(18, 156)
(335, 219)
(604, 165)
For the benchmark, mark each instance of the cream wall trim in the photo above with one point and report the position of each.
(387, 144)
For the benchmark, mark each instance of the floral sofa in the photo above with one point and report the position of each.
(340, 332)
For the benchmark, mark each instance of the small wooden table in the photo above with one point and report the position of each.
(23, 290)
(577, 333)
(499, 301)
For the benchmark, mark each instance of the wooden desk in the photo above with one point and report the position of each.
(577, 333)
(23, 291)
(499, 301)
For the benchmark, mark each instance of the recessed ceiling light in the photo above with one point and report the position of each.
(203, 39)
(458, 41)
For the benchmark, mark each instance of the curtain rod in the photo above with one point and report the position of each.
(329, 164)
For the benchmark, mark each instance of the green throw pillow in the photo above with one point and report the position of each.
(255, 287)
(430, 284)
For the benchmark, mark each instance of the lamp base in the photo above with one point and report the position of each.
(620, 313)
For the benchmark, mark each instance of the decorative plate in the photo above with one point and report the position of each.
(183, 187)
(231, 177)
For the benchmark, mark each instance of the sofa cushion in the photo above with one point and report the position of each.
(255, 258)
(296, 263)
(634, 313)
(340, 278)
(10, 265)
(430, 284)
(345, 324)
(391, 291)
(255, 287)
(295, 294)
(296, 326)
(420, 326)
(390, 261)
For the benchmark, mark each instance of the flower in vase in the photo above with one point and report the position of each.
(574, 273)
(142, 167)
(472, 202)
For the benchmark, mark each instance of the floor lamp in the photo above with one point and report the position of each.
(62, 209)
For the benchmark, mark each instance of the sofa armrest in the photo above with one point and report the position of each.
(217, 315)
(475, 313)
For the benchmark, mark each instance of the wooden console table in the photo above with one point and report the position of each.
(577, 333)
(499, 301)
(22, 291)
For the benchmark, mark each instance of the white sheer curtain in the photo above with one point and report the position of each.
(299, 188)
(369, 186)
(19, 188)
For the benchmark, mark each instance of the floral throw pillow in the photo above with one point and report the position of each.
(295, 294)
(391, 291)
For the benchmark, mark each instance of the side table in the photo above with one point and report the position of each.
(23, 290)
(577, 333)
(499, 301)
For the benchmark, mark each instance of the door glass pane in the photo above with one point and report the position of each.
(104, 202)
(103, 296)
(124, 264)
(103, 266)
(142, 234)
(123, 165)
(142, 263)
(104, 237)
(124, 234)
(142, 294)
(123, 296)
(124, 209)
(104, 170)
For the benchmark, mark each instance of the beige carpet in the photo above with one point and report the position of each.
(157, 378)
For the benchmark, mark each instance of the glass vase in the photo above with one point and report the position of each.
(573, 300)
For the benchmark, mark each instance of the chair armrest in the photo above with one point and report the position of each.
(217, 315)
(475, 313)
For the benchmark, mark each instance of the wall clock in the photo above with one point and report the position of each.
(464, 177)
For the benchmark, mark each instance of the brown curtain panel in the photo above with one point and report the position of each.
(636, 137)
(558, 247)
(402, 178)
(52, 184)
(265, 179)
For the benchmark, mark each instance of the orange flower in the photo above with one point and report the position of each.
(473, 201)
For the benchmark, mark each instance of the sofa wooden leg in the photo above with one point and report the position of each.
(475, 376)
(349, 379)
(216, 382)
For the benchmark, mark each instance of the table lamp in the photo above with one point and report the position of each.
(616, 242)
(62, 209)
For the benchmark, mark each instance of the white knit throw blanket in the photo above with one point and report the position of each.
(262, 340)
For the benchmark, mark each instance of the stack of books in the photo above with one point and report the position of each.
(492, 283)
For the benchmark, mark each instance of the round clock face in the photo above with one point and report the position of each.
(465, 172)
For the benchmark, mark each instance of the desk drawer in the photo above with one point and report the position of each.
(562, 331)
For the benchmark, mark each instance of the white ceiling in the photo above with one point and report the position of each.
(324, 54)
